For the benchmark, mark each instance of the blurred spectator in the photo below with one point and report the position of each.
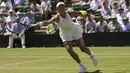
(115, 6)
(11, 17)
(121, 15)
(101, 25)
(121, 2)
(19, 2)
(19, 14)
(80, 21)
(35, 7)
(18, 28)
(127, 24)
(29, 19)
(106, 11)
(52, 28)
(5, 6)
(90, 25)
(95, 5)
(114, 26)
(46, 9)
(2, 23)
(128, 14)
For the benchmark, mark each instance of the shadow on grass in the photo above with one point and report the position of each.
(97, 71)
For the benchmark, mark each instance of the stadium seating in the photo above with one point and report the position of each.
(5, 14)
(77, 7)
(38, 16)
(23, 8)
(86, 7)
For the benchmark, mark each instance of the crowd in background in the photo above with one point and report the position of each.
(104, 16)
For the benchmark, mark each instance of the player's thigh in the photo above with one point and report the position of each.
(80, 43)
(68, 45)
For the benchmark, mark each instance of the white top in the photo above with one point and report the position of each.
(90, 25)
(95, 4)
(121, 17)
(6, 5)
(67, 26)
(11, 19)
(128, 15)
(101, 27)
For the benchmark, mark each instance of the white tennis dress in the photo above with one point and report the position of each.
(68, 29)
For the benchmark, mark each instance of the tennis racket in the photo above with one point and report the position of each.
(26, 27)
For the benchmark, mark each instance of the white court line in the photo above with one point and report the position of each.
(39, 68)
(31, 61)
(69, 56)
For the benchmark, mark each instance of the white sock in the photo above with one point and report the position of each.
(91, 55)
(81, 64)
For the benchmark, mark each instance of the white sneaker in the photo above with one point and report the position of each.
(82, 68)
(23, 46)
(94, 60)
(9, 47)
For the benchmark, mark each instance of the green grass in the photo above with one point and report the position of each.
(57, 60)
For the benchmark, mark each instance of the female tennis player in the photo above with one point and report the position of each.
(69, 31)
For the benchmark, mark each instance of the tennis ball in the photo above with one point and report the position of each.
(84, 13)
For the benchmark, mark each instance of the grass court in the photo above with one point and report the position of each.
(57, 60)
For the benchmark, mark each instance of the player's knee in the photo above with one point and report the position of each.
(83, 48)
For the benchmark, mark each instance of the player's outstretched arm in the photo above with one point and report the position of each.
(52, 20)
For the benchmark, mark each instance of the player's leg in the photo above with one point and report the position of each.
(68, 46)
(83, 48)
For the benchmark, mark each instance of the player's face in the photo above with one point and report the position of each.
(61, 8)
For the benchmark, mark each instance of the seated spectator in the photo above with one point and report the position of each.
(101, 25)
(19, 14)
(10, 20)
(121, 15)
(106, 11)
(11, 17)
(17, 27)
(29, 19)
(121, 2)
(95, 5)
(2, 23)
(46, 9)
(35, 7)
(52, 28)
(114, 26)
(127, 24)
(5, 6)
(115, 6)
(90, 25)
(80, 21)
(19, 2)
(128, 14)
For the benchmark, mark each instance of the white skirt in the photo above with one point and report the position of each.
(71, 35)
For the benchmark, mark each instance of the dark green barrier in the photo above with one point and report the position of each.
(95, 39)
